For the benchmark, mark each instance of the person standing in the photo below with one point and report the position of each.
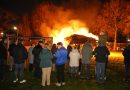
(86, 59)
(31, 57)
(101, 53)
(126, 54)
(19, 54)
(74, 62)
(3, 55)
(61, 59)
(36, 52)
(46, 64)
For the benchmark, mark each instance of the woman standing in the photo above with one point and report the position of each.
(46, 64)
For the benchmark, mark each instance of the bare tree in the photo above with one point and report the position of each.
(112, 18)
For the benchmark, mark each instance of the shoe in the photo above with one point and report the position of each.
(15, 80)
(48, 84)
(23, 81)
(58, 84)
(105, 78)
(63, 83)
(43, 85)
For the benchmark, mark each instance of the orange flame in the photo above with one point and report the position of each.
(73, 27)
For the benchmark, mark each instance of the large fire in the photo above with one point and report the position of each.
(73, 27)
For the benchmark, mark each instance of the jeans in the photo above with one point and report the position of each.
(60, 73)
(19, 71)
(87, 69)
(100, 70)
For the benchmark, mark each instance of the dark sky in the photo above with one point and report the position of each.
(22, 6)
(19, 6)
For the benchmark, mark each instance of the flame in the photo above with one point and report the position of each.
(73, 27)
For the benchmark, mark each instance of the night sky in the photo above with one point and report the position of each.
(26, 6)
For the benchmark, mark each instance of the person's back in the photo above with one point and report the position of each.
(61, 56)
(46, 58)
(101, 53)
(86, 53)
(74, 57)
(61, 59)
(36, 51)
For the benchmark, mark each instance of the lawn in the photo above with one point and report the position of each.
(114, 80)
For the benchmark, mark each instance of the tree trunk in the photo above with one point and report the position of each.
(115, 37)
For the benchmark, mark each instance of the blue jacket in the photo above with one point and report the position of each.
(61, 56)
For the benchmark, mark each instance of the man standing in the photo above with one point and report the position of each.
(101, 53)
(19, 54)
(126, 54)
(36, 52)
(86, 59)
(61, 59)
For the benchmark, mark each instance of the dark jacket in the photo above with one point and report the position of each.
(46, 58)
(126, 54)
(101, 53)
(61, 56)
(36, 52)
(19, 54)
(3, 53)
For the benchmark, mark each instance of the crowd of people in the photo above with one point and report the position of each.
(43, 58)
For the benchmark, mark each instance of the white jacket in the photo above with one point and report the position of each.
(74, 58)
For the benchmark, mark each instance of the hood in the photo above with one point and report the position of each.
(45, 51)
(74, 50)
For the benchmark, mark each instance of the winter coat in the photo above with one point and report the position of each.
(30, 55)
(19, 54)
(36, 52)
(101, 53)
(61, 56)
(74, 58)
(46, 58)
(126, 54)
(86, 53)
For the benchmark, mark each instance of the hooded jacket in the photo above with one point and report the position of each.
(45, 58)
(61, 56)
(86, 53)
(74, 58)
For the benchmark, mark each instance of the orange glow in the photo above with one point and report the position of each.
(73, 27)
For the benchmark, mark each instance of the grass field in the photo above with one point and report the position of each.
(115, 75)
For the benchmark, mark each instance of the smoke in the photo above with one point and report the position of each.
(50, 17)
